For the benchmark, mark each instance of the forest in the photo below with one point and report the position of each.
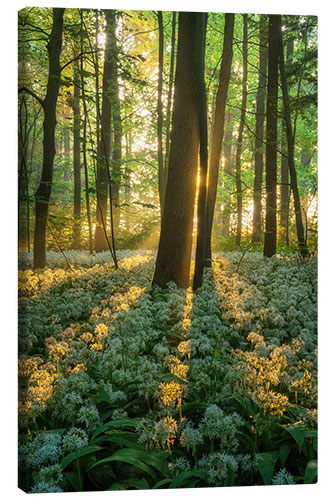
(167, 249)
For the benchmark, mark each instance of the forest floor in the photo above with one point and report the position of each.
(122, 386)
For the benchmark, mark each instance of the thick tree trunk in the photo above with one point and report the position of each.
(174, 251)
(260, 120)
(271, 137)
(103, 147)
(240, 137)
(161, 177)
(218, 131)
(285, 188)
(76, 156)
(202, 105)
(227, 178)
(291, 148)
(42, 195)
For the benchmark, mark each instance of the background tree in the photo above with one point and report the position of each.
(240, 136)
(42, 195)
(259, 134)
(271, 136)
(218, 131)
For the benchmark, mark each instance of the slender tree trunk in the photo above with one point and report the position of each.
(169, 101)
(84, 147)
(271, 137)
(76, 156)
(174, 251)
(117, 127)
(260, 120)
(291, 148)
(127, 178)
(227, 178)
(218, 131)
(240, 136)
(42, 195)
(202, 104)
(103, 147)
(161, 185)
(67, 153)
(285, 188)
(96, 60)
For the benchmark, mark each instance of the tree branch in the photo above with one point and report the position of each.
(28, 91)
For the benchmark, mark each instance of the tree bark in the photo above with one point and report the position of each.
(161, 185)
(240, 136)
(291, 148)
(84, 147)
(76, 156)
(117, 128)
(259, 137)
(42, 195)
(103, 146)
(203, 133)
(227, 178)
(169, 101)
(285, 188)
(174, 251)
(271, 137)
(218, 131)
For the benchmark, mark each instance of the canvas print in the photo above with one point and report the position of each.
(167, 194)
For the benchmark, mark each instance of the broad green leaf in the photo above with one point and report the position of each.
(72, 456)
(131, 456)
(311, 472)
(267, 464)
(163, 482)
(184, 475)
(116, 424)
(284, 452)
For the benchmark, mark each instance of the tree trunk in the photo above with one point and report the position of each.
(285, 188)
(84, 147)
(76, 156)
(67, 153)
(260, 120)
(174, 251)
(117, 128)
(161, 185)
(218, 131)
(103, 147)
(271, 137)
(202, 105)
(168, 108)
(127, 178)
(240, 136)
(291, 148)
(227, 178)
(42, 195)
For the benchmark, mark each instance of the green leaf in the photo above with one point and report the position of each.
(72, 456)
(284, 452)
(311, 472)
(116, 424)
(299, 433)
(140, 459)
(184, 475)
(163, 482)
(267, 464)
(216, 355)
